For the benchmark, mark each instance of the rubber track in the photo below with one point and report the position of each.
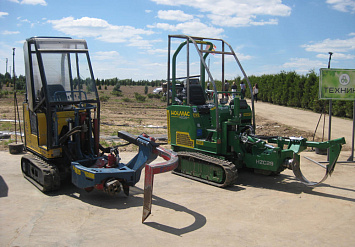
(229, 168)
(50, 174)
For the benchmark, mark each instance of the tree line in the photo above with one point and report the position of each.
(294, 90)
(284, 88)
(7, 80)
(127, 82)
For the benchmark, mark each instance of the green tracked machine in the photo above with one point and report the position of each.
(213, 132)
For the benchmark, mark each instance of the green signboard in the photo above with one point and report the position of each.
(337, 84)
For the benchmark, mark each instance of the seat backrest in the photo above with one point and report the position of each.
(243, 104)
(57, 92)
(197, 95)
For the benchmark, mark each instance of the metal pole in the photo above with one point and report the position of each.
(168, 76)
(188, 72)
(330, 107)
(223, 82)
(351, 158)
(330, 57)
(330, 103)
(330, 119)
(13, 75)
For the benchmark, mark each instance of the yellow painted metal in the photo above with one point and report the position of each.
(38, 142)
(183, 139)
(169, 135)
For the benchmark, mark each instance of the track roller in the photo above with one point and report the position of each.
(206, 169)
(43, 175)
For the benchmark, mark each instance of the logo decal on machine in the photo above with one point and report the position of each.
(264, 162)
(180, 114)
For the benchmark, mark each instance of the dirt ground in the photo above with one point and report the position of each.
(125, 113)
(258, 211)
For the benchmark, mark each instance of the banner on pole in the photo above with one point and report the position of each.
(337, 84)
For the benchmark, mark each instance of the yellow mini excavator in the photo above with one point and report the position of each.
(62, 125)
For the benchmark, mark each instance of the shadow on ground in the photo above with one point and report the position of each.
(135, 199)
(285, 183)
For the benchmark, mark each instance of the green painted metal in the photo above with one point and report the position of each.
(200, 170)
(176, 53)
(225, 131)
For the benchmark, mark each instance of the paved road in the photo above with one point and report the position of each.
(306, 120)
(258, 211)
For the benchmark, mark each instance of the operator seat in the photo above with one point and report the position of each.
(56, 92)
(242, 104)
(197, 95)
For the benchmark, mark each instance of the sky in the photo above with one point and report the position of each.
(129, 38)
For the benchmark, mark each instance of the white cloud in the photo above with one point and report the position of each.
(240, 56)
(343, 49)
(194, 27)
(175, 15)
(236, 13)
(158, 51)
(240, 21)
(6, 32)
(32, 24)
(303, 65)
(230, 21)
(332, 45)
(154, 65)
(243, 57)
(343, 5)
(31, 2)
(264, 22)
(164, 26)
(103, 55)
(2, 14)
(101, 30)
(34, 2)
(338, 56)
(197, 28)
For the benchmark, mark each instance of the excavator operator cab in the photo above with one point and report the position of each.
(60, 91)
(60, 71)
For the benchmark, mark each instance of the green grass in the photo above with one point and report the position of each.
(6, 126)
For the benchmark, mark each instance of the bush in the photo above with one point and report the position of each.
(126, 100)
(145, 89)
(117, 93)
(117, 87)
(153, 95)
(139, 98)
(4, 93)
(104, 98)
